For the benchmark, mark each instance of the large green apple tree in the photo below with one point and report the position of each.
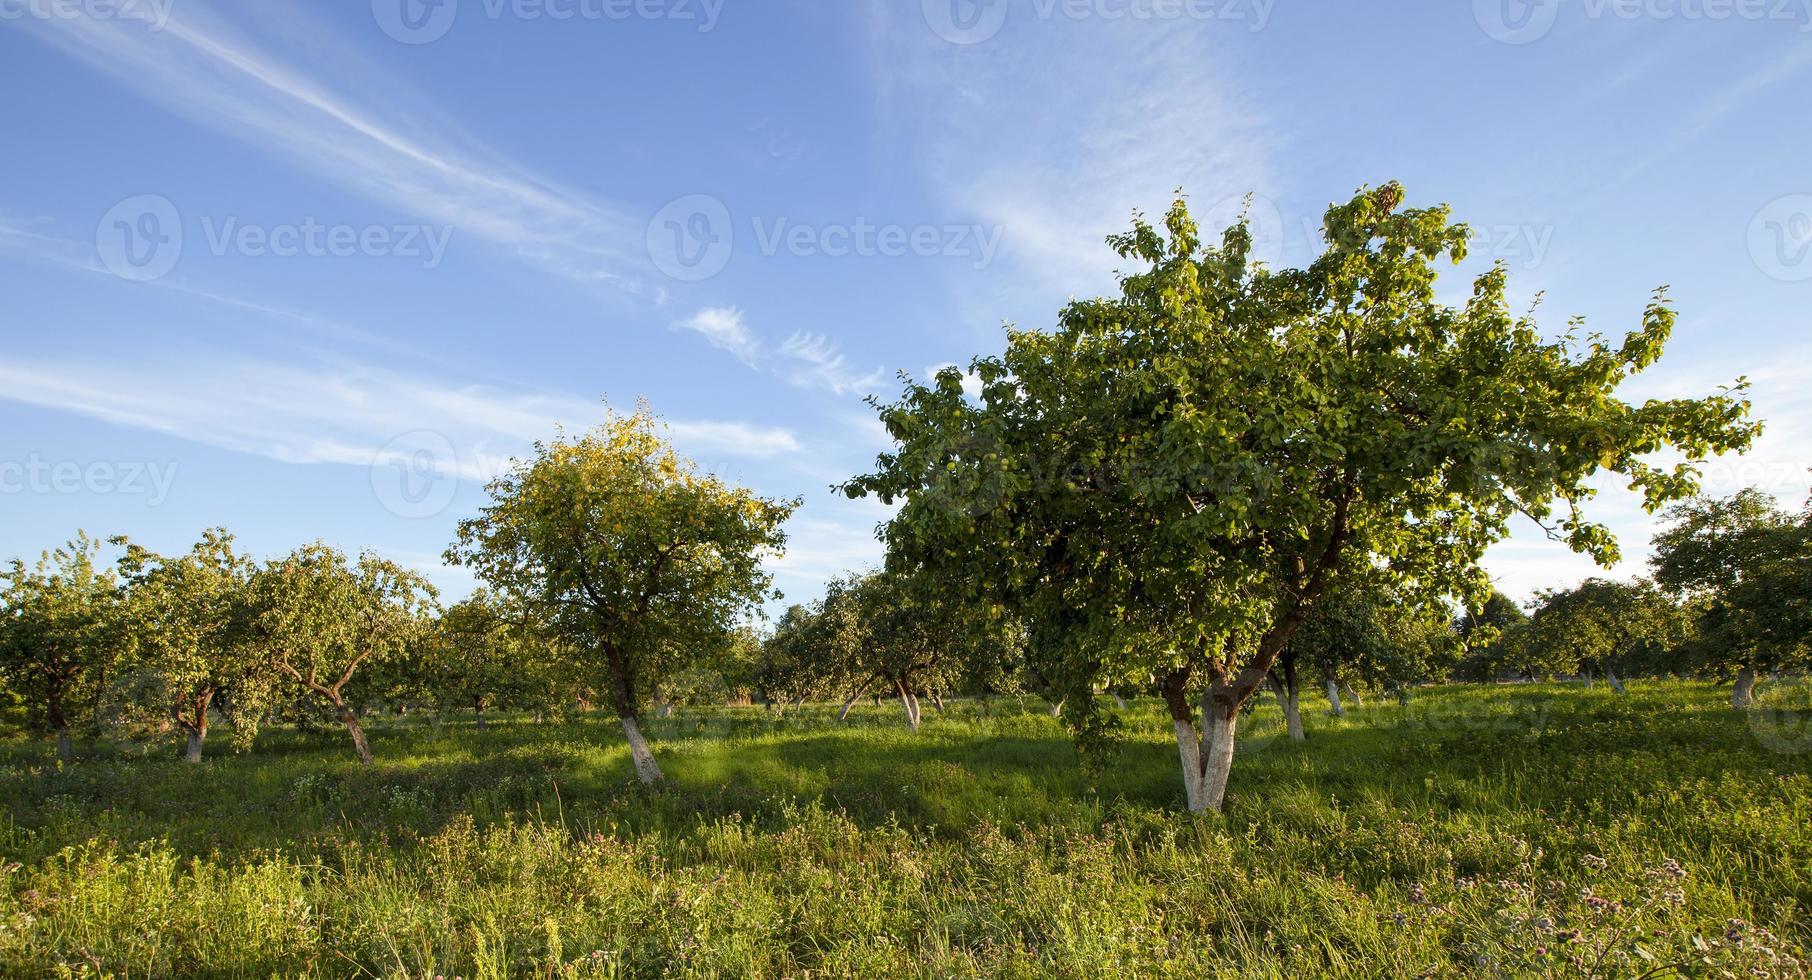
(1168, 483)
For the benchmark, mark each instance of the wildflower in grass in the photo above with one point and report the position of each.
(1594, 862)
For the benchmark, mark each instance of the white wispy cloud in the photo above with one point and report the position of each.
(339, 413)
(1056, 165)
(816, 362)
(723, 327)
(395, 150)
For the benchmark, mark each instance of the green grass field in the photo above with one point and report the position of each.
(1516, 831)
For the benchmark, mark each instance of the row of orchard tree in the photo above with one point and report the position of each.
(610, 565)
(1225, 480)
(153, 643)
(1730, 597)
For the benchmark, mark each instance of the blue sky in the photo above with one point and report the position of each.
(313, 269)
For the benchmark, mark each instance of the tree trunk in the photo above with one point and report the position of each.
(1218, 745)
(1119, 702)
(1334, 700)
(843, 713)
(1291, 698)
(646, 769)
(1189, 751)
(911, 706)
(937, 701)
(1358, 702)
(1591, 680)
(1175, 690)
(63, 750)
(1057, 708)
(1616, 682)
(1743, 695)
(194, 724)
(351, 721)
(478, 713)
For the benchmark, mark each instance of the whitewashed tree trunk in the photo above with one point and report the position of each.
(1189, 750)
(1743, 695)
(1057, 709)
(193, 754)
(646, 769)
(1334, 700)
(1358, 702)
(843, 715)
(1119, 702)
(1218, 746)
(1591, 679)
(910, 705)
(1616, 682)
(1291, 698)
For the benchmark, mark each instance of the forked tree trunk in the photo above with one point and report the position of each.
(351, 721)
(194, 725)
(1057, 709)
(1743, 695)
(843, 713)
(646, 769)
(911, 706)
(1616, 682)
(1217, 757)
(1334, 700)
(1291, 698)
